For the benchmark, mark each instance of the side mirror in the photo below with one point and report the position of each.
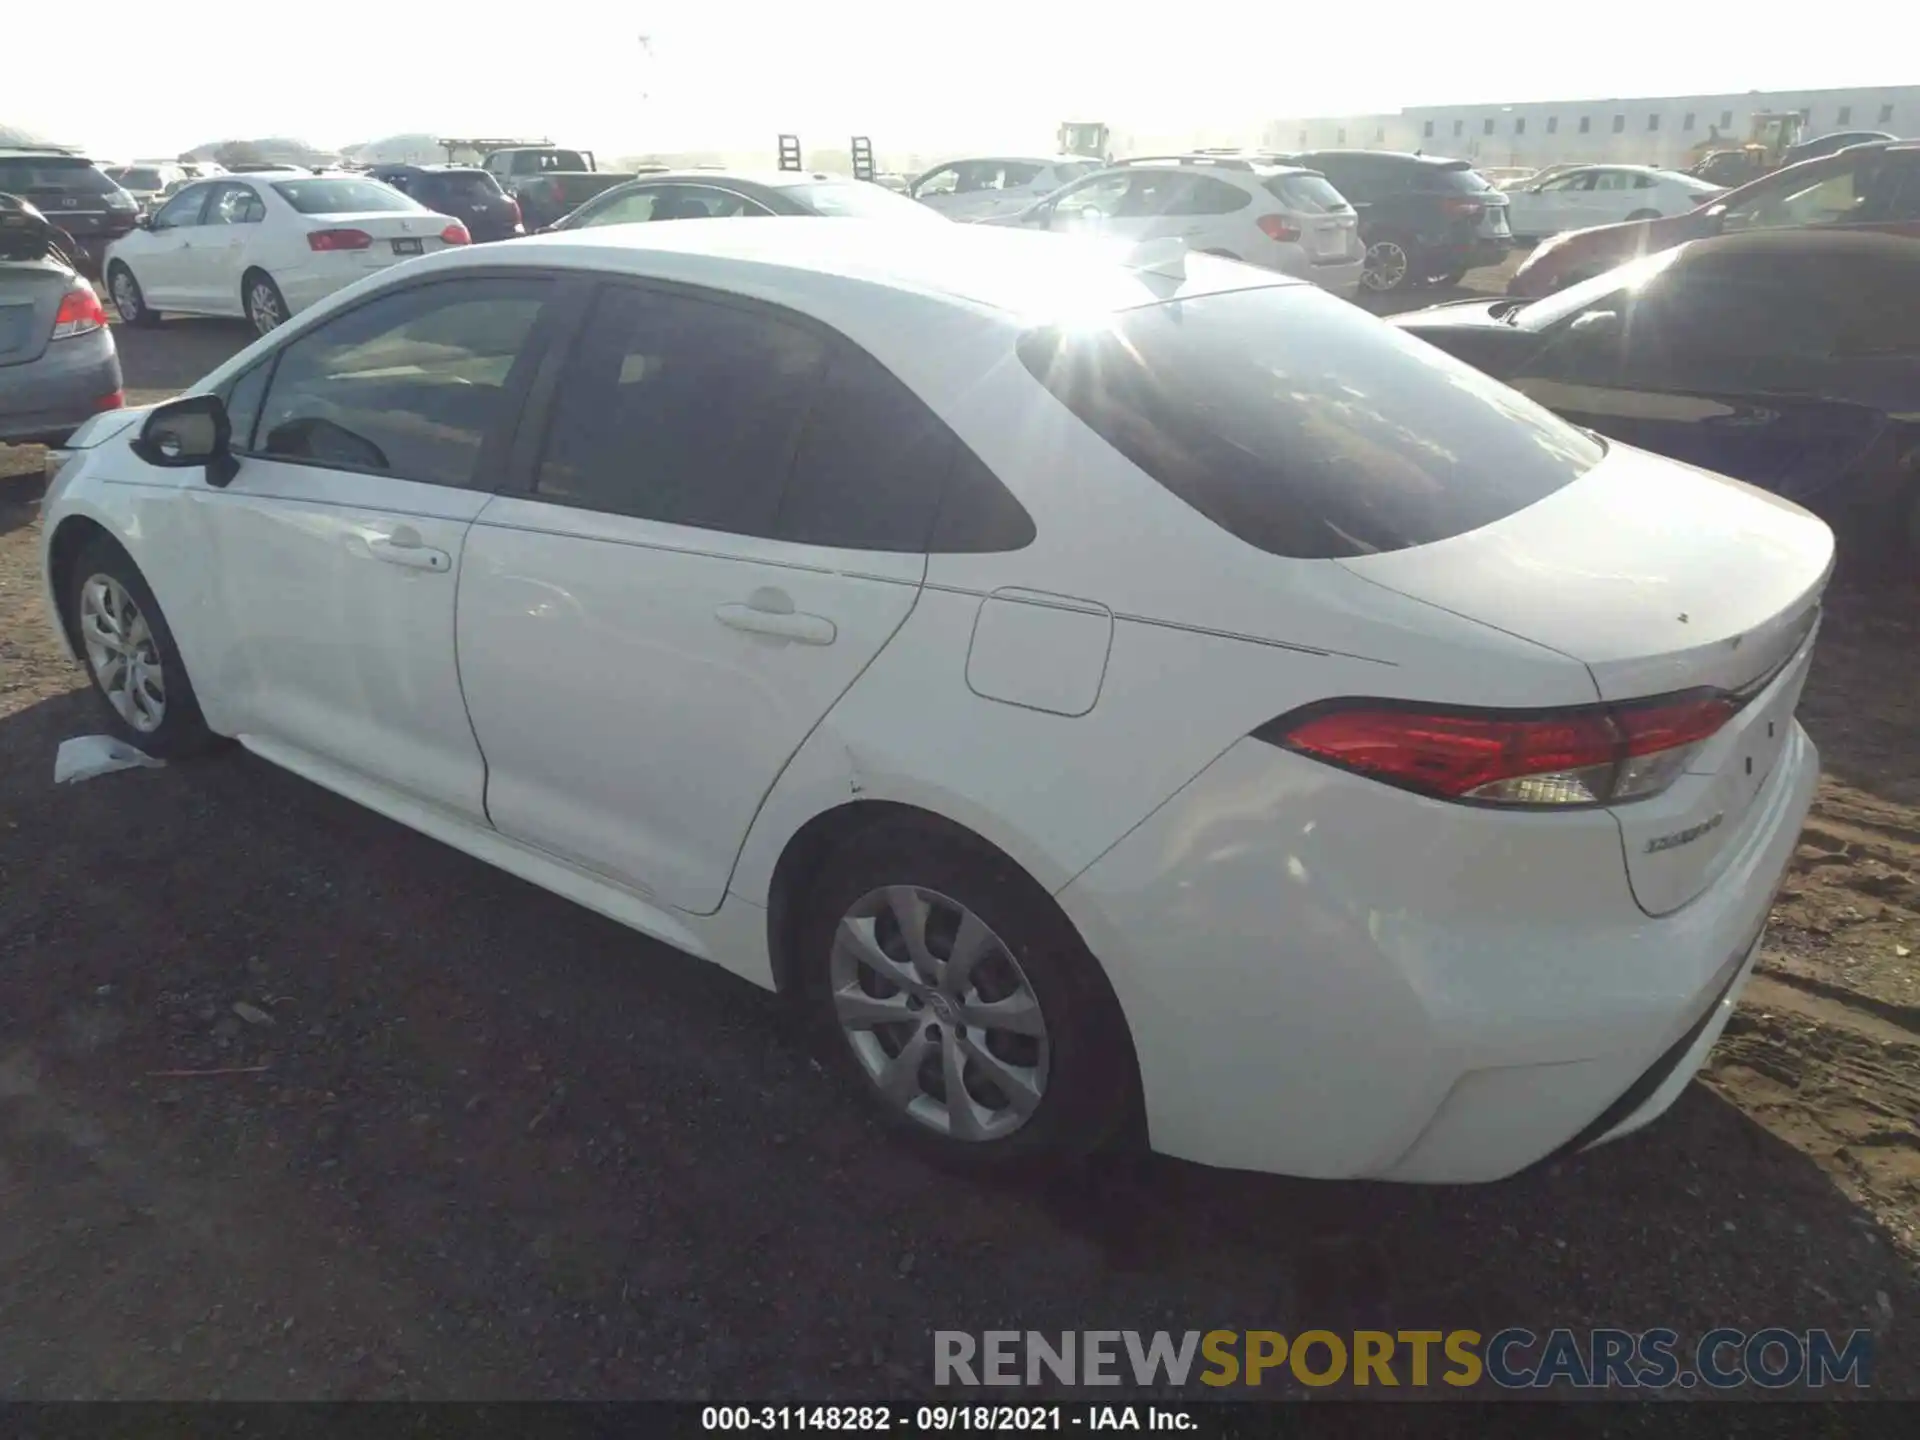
(190, 431)
(144, 220)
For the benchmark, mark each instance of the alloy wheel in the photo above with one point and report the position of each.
(264, 304)
(123, 654)
(939, 1014)
(126, 295)
(1386, 267)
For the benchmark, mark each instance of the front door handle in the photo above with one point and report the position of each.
(769, 611)
(403, 547)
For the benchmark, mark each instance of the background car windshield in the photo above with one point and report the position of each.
(1307, 195)
(470, 185)
(136, 179)
(858, 198)
(1461, 181)
(77, 176)
(1303, 425)
(341, 197)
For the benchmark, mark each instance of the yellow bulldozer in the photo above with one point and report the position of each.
(1770, 134)
(1085, 137)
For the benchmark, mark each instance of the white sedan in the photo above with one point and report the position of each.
(266, 246)
(1588, 195)
(1087, 690)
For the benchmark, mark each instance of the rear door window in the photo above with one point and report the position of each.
(1304, 426)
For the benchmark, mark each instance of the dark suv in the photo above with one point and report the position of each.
(469, 195)
(1423, 219)
(74, 194)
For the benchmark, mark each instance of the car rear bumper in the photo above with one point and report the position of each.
(1327, 977)
(43, 400)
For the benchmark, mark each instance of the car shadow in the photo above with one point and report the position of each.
(644, 1175)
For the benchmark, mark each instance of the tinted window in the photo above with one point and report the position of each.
(1437, 179)
(469, 185)
(242, 396)
(681, 410)
(137, 179)
(408, 385)
(1692, 330)
(341, 197)
(1305, 426)
(1013, 174)
(1307, 195)
(1206, 196)
(52, 172)
(626, 207)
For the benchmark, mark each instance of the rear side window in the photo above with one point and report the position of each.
(1307, 195)
(1304, 426)
(1444, 180)
(1207, 196)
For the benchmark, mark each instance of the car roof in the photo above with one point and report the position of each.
(768, 179)
(989, 267)
(1835, 247)
(1439, 162)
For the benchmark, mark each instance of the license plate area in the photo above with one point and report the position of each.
(406, 247)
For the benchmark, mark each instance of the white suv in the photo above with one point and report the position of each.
(1280, 217)
(993, 188)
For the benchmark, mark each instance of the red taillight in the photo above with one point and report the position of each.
(558, 191)
(455, 234)
(514, 205)
(1277, 227)
(115, 401)
(79, 314)
(338, 240)
(1596, 755)
(1462, 207)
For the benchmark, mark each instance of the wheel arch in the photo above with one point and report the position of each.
(71, 536)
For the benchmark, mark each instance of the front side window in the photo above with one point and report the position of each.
(1304, 426)
(183, 209)
(409, 385)
(943, 181)
(627, 207)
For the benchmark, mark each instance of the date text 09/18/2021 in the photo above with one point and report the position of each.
(936, 1419)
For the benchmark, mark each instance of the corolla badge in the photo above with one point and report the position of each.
(1683, 837)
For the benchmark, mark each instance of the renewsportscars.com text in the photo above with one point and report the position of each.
(1513, 1359)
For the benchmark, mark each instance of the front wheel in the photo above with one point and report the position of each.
(266, 307)
(128, 299)
(1387, 268)
(131, 656)
(959, 999)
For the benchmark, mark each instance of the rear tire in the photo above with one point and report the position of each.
(266, 307)
(1004, 999)
(138, 677)
(1389, 266)
(129, 301)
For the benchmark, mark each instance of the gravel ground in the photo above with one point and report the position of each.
(485, 1144)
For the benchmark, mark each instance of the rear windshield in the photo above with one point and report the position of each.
(1450, 181)
(79, 177)
(1303, 425)
(1307, 194)
(551, 160)
(324, 196)
(467, 185)
(860, 199)
(137, 179)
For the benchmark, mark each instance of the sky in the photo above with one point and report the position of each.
(984, 75)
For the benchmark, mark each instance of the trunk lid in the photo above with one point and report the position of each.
(397, 234)
(1659, 578)
(30, 295)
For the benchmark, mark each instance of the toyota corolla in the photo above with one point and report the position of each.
(1092, 689)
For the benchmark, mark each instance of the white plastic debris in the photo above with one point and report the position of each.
(86, 756)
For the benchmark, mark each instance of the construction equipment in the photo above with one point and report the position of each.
(1085, 137)
(862, 158)
(790, 152)
(1770, 134)
(458, 151)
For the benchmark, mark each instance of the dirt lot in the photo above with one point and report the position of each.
(490, 1145)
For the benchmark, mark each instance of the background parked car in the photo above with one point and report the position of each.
(469, 194)
(549, 181)
(719, 194)
(1423, 219)
(1832, 144)
(1590, 195)
(58, 365)
(1867, 187)
(266, 247)
(147, 183)
(1278, 217)
(1789, 359)
(72, 192)
(994, 186)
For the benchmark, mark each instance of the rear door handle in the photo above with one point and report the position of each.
(769, 611)
(403, 547)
